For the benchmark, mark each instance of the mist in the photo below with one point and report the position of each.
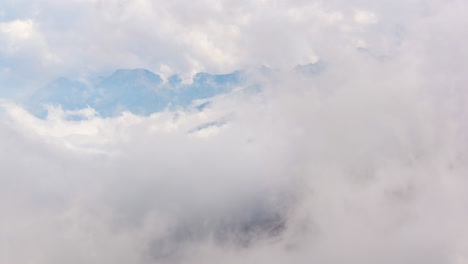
(365, 162)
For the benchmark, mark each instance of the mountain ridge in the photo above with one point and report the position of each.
(143, 92)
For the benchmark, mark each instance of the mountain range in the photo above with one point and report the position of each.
(143, 92)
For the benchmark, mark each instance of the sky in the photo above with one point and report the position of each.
(43, 40)
(365, 162)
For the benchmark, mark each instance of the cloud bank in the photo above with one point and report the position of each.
(41, 41)
(364, 163)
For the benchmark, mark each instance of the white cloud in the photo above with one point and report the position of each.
(369, 165)
(365, 163)
(23, 35)
(18, 30)
(188, 37)
(365, 17)
(16, 35)
(24, 53)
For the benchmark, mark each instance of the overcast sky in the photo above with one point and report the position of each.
(46, 39)
(364, 163)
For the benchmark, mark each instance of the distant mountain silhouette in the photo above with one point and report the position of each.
(143, 92)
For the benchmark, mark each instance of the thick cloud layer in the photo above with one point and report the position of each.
(365, 163)
(43, 40)
(359, 169)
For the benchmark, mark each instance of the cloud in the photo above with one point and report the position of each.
(366, 168)
(97, 37)
(17, 31)
(365, 17)
(363, 163)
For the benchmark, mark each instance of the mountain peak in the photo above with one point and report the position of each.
(131, 78)
(310, 69)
